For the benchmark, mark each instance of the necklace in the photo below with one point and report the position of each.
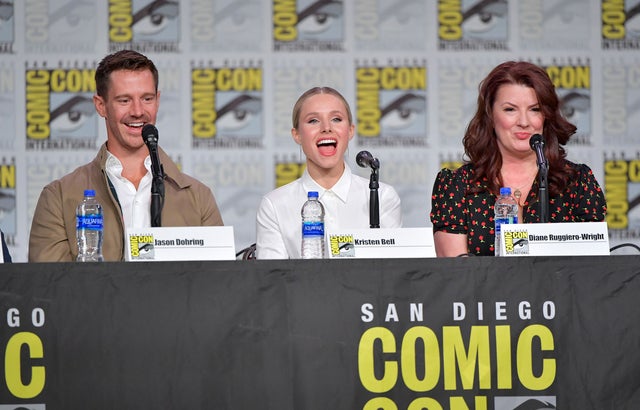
(518, 190)
(517, 194)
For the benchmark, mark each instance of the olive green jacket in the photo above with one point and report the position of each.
(188, 202)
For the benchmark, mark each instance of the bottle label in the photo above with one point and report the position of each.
(312, 229)
(507, 220)
(91, 222)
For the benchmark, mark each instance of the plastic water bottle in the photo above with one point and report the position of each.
(312, 227)
(505, 212)
(89, 225)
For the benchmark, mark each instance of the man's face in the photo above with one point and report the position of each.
(131, 102)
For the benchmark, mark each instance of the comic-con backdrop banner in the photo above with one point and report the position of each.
(231, 71)
(460, 334)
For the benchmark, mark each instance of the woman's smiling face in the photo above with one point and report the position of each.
(323, 131)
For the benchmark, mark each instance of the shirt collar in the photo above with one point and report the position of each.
(340, 189)
(114, 166)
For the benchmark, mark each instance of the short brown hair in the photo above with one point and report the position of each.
(122, 60)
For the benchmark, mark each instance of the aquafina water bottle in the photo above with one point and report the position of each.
(89, 225)
(505, 212)
(312, 227)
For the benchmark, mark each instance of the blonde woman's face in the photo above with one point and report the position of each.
(323, 132)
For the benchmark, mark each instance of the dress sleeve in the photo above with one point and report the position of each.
(447, 203)
(589, 202)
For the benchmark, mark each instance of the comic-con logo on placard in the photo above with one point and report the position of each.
(391, 103)
(308, 25)
(620, 27)
(516, 242)
(342, 246)
(622, 185)
(287, 170)
(7, 27)
(56, 26)
(473, 24)
(8, 216)
(147, 26)
(59, 108)
(227, 105)
(141, 247)
(572, 79)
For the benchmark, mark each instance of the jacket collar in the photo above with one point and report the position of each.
(171, 170)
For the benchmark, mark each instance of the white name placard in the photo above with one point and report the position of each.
(555, 239)
(213, 243)
(381, 243)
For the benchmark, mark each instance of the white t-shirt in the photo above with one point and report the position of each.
(346, 205)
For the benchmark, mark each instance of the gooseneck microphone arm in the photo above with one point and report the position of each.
(537, 144)
(365, 159)
(150, 138)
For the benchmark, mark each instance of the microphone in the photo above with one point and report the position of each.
(150, 138)
(536, 142)
(365, 159)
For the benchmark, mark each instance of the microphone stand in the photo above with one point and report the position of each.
(150, 138)
(157, 186)
(543, 170)
(374, 205)
(157, 195)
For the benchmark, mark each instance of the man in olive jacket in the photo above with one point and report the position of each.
(127, 97)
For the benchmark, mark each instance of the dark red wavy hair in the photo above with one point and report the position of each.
(480, 140)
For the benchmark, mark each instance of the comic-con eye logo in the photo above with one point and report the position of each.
(622, 184)
(150, 22)
(516, 242)
(477, 24)
(620, 23)
(141, 246)
(391, 105)
(342, 246)
(306, 25)
(226, 105)
(525, 403)
(573, 85)
(59, 108)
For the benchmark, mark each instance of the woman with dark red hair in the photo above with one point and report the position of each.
(516, 101)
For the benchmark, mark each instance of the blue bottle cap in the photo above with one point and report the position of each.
(505, 191)
(312, 194)
(89, 192)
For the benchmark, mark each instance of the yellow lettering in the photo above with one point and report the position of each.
(13, 368)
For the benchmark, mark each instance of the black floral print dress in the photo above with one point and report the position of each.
(455, 210)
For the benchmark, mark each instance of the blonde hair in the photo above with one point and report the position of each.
(295, 117)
